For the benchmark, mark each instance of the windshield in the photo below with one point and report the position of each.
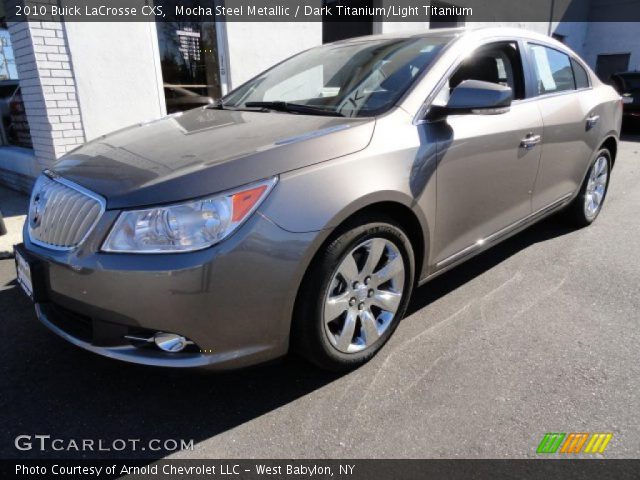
(350, 79)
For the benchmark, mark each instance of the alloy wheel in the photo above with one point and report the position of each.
(364, 295)
(596, 187)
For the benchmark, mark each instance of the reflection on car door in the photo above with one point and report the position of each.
(485, 173)
(570, 119)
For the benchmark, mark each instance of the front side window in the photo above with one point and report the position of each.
(352, 79)
(495, 63)
(552, 69)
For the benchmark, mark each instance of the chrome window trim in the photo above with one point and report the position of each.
(74, 186)
(418, 118)
(556, 94)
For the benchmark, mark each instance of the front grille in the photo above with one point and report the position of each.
(62, 214)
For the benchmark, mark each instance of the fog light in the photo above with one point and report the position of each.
(170, 342)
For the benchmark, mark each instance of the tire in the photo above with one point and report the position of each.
(578, 211)
(330, 287)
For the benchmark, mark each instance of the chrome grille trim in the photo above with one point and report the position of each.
(69, 215)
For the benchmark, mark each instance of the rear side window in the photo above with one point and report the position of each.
(552, 69)
(580, 74)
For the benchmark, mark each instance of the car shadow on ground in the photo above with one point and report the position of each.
(50, 387)
(552, 227)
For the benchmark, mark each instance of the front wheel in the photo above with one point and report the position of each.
(354, 295)
(587, 205)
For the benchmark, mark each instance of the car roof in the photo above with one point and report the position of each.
(474, 33)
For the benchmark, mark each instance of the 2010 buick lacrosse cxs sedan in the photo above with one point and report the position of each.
(301, 210)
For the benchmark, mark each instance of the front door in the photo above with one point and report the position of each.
(487, 164)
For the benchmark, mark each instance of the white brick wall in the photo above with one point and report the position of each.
(48, 88)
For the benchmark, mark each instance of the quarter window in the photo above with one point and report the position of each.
(552, 69)
(580, 74)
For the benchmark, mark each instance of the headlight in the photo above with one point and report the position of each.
(187, 226)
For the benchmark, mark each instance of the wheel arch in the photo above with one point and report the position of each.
(611, 144)
(409, 220)
(413, 223)
(405, 217)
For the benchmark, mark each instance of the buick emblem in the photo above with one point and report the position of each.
(37, 207)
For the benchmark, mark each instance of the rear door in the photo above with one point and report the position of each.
(571, 123)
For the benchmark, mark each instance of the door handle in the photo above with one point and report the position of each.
(530, 141)
(592, 120)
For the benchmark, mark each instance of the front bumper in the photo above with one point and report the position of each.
(234, 300)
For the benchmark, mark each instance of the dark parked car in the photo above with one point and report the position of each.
(303, 208)
(628, 85)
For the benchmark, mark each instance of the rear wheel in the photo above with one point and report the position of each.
(587, 205)
(354, 295)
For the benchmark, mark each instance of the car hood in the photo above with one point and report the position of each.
(204, 151)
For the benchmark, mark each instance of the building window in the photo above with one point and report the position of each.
(14, 127)
(607, 65)
(189, 61)
(8, 69)
(333, 30)
(445, 21)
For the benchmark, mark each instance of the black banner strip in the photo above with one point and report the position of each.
(323, 469)
(449, 12)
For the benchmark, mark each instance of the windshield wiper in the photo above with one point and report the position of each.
(294, 108)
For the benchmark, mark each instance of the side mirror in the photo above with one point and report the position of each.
(474, 96)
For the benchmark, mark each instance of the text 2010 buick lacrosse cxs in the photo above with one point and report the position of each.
(302, 209)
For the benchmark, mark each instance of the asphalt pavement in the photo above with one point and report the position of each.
(539, 334)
